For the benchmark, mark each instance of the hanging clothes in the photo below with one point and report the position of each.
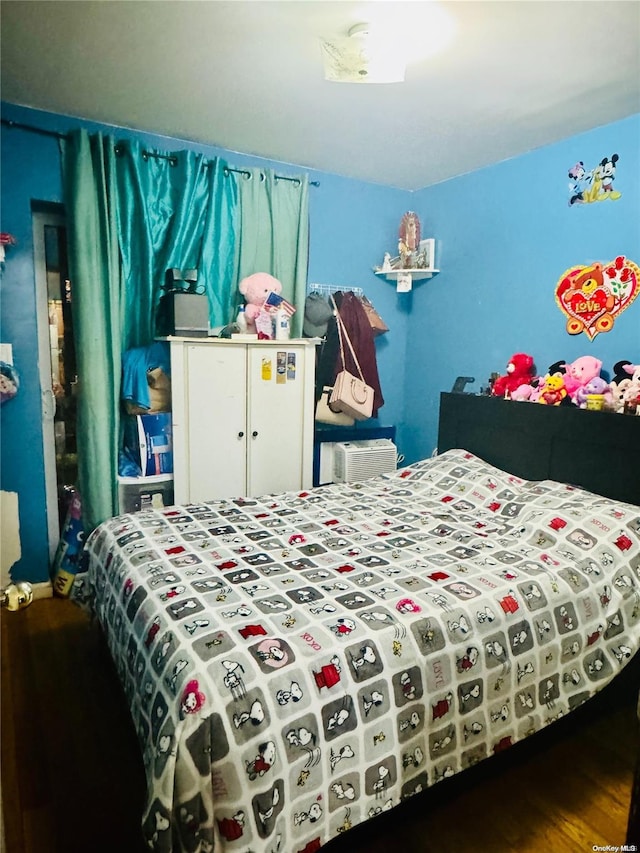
(136, 364)
(360, 332)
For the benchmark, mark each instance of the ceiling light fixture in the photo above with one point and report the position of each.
(380, 50)
(365, 55)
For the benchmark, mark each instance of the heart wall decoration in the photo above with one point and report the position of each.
(593, 296)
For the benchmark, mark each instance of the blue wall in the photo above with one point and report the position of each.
(505, 235)
(352, 224)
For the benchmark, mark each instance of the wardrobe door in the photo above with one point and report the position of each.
(276, 418)
(216, 426)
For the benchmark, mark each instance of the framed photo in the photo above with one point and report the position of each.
(425, 256)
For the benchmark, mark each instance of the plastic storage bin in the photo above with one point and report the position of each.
(136, 493)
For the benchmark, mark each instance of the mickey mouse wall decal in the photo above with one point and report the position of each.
(595, 185)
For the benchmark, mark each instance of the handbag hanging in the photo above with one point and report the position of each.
(324, 415)
(376, 322)
(351, 394)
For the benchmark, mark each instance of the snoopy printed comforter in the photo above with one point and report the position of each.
(297, 663)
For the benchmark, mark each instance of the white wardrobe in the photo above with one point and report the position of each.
(243, 417)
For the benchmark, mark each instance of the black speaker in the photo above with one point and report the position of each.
(183, 309)
(183, 314)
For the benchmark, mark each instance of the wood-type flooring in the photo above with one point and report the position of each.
(72, 778)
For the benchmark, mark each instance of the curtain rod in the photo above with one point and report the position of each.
(146, 154)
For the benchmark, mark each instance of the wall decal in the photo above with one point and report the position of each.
(593, 296)
(594, 185)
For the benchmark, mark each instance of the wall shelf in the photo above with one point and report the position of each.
(416, 275)
(425, 256)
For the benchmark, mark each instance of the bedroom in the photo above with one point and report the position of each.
(505, 235)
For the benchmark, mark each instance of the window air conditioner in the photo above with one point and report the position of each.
(359, 460)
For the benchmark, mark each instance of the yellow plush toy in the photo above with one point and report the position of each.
(553, 391)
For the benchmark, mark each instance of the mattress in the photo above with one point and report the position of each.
(296, 664)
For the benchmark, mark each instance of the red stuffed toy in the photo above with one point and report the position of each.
(519, 372)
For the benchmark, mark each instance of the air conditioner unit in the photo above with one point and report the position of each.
(359, 460)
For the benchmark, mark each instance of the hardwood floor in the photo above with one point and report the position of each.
(72, 779)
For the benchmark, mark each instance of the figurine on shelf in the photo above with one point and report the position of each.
(408, 238)
(386, 263)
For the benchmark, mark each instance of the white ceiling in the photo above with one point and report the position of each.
(248, 76)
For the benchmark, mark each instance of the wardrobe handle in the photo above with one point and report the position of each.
(255, 433)
(240, 435)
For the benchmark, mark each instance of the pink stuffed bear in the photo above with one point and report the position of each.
(519, 372)
(580, 372)
(255, 289)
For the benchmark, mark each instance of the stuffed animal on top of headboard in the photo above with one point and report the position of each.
(580, 372)
(255, 289)
(552, 392)
(625, 386)
(519, 372)
(596, 386)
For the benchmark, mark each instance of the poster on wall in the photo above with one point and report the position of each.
(589, 185)
(593, 296)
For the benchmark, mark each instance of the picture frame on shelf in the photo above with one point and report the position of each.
(425, 256)
(414, 266)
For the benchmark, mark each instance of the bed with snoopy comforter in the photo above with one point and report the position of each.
(297, 663)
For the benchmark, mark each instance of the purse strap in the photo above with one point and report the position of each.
(342, 331)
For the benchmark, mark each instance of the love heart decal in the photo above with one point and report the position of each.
(592, 297)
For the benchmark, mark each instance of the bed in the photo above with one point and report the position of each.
(299, 663)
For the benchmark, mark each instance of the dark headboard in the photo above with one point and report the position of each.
(599, 451)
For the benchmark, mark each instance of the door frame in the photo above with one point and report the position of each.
(40, 219)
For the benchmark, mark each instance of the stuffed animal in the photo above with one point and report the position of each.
(255, 289)
(522, 392)
(16, 595)
(597, 385)
(622, 382)
(579, 372)
(631, 392)
(557, 367)
(619, 370)
(553, 391)
(618, 391)
(519, 372)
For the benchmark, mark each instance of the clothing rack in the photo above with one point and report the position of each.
(328, 289)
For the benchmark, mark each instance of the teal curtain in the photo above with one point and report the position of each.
(96, 288)
(274, 234)
(132, 216)
(175, 210)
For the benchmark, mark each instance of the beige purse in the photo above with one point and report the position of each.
(324, 415)
(351, 394)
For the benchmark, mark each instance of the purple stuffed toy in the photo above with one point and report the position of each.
(597, 385)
